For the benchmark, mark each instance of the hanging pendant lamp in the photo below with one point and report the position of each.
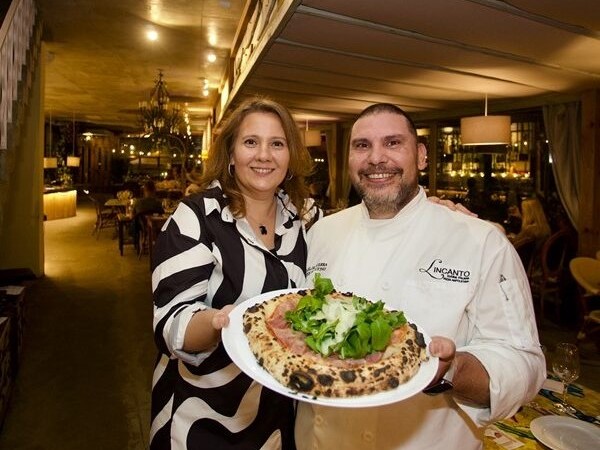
(50, 162)
(485, 130)
(73, 161)
(311, 138)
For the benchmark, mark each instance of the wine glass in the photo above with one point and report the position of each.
(565, 365)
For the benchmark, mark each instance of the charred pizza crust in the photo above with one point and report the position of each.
(302, 370)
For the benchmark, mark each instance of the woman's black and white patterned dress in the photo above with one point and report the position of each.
(205, 257)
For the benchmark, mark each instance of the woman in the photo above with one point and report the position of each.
(534, 222)
(242, 235)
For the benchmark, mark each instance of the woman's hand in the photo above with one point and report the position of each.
(204, 328)
(220, 318)
(451, 205)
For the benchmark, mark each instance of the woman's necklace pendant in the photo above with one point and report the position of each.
(263, 229)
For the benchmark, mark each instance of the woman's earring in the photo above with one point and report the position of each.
(289, 177)
(230, 169)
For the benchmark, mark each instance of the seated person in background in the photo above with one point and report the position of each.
(193, 186)
(513, 222)
(533, 221)
(148, 204)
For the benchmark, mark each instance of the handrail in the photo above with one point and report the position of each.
(15, 38)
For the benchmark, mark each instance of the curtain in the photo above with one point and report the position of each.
(563, 126)
(339, 180)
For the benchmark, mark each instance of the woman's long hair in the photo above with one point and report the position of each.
(534, 221)
(216, 167)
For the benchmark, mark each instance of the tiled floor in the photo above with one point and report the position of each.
(85, 378)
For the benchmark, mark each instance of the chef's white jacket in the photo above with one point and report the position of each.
(454, 276)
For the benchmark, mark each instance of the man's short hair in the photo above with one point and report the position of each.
(389, 108)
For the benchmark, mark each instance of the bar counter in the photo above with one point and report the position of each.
(60, 203)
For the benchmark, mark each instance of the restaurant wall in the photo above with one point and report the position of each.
(21, 235)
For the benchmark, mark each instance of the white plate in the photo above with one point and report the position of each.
(565, 433)
(236, 344)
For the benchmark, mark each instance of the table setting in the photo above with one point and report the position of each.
(563, 416)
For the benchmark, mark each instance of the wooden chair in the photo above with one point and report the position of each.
(548, 274)
(142, 233)
(105, 217)
(526, 247)
(586, 271)
(125, 194)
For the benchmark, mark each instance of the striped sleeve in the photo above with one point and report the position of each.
(182, 264)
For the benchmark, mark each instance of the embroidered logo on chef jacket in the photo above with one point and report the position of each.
(319, 267)
(438, 271)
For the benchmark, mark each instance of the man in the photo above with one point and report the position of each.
(149, 203)
(456, 276)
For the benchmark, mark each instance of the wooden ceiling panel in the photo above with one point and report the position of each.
(376, 43)
(471, 85)
(365, 82)
(331, 58)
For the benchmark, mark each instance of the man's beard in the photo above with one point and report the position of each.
(386, 202)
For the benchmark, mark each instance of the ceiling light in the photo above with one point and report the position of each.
(152, 35)
(211, 57)
(212, 39)
(485, 130)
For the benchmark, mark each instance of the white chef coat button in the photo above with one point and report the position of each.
(385, 286)
(318, 420)
(367, 436)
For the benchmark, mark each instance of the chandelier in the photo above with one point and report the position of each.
(158, 116)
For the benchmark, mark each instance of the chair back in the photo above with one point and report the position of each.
(526, 247)
(586, 272)
(555, 253)
(125, 195)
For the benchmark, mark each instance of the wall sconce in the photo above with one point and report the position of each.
(485, 130)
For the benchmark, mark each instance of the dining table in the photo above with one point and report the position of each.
(543, 424)
(117, 203)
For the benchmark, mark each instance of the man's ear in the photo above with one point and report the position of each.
(421, 156)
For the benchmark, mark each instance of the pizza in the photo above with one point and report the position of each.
(325, 343)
